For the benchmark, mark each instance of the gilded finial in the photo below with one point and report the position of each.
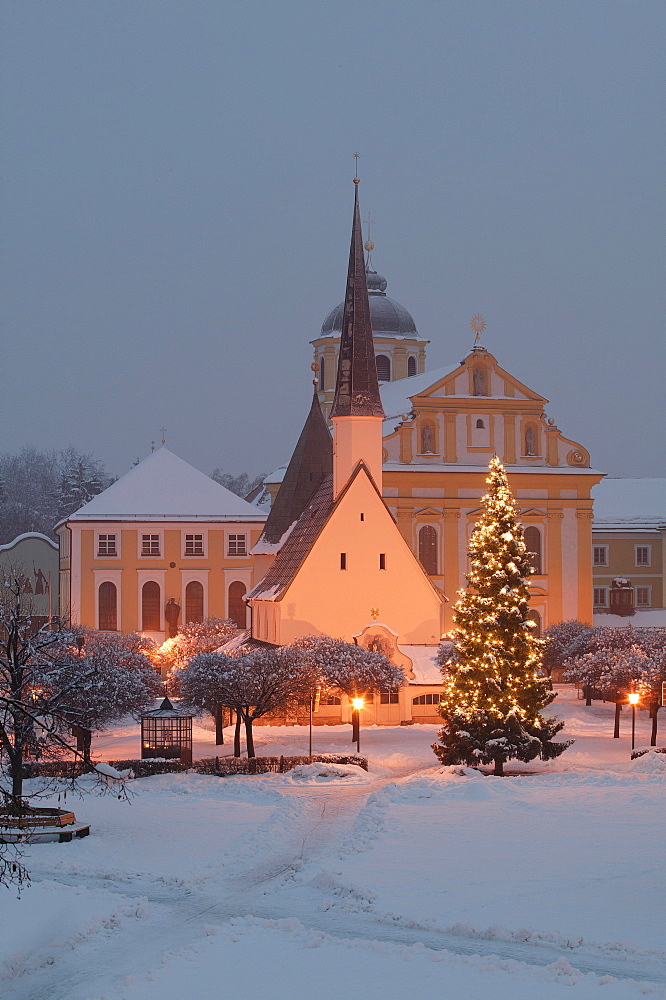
(374, 613)
(478, 324)
(356, 177)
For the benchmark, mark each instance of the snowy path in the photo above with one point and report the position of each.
(368, 876)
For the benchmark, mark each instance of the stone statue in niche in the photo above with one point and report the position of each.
(530, 441)
(426, 440)
(172, 614)
(479, 382)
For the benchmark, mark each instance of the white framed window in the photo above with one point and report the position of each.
(600, 555)
(601, 597)
(642, 555)
(107, 545)
(237, 545)
(193, 544)
(151, 545)
(643, 597)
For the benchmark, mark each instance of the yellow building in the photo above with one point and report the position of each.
(629, 541)
(164, 544)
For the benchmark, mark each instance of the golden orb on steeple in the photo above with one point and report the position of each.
(369, 245)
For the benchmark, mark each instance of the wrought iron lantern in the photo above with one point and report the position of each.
(166, 732)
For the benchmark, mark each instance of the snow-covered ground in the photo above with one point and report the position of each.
(329, 882)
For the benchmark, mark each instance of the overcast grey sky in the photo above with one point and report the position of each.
(177, 197)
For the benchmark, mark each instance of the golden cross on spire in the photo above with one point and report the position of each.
(374, 613)
(163, 431)
(356, 156)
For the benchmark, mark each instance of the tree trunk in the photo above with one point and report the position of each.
(499, 768)
(219, 725)
(237, 735)
(616, 730)
(587, 691)
(654, 710)
(249, 736)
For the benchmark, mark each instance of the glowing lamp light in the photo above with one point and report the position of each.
(633, 697)
(357, 704)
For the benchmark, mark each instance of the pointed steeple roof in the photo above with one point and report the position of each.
(311, 461)
(357, 388)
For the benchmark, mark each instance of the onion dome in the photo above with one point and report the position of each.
(388, 317)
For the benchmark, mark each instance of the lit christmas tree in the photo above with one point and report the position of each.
(493, 691)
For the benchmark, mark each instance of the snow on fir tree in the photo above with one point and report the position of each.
(493, 690)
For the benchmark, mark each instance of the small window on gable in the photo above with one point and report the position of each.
(383, 368)
(480, 424)
(411, 366)
(382, 560)
(343, 560)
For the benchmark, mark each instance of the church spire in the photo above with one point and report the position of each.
(357, 388)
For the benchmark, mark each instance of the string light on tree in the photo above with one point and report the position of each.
(493, 688)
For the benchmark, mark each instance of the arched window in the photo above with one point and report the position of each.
(427, 440)
(533, 543)
(150, 607)
(237, 608)
(536, 618)
(479, 424)
(194, 602)
(428, 549)
(411, 366)
(383, 368)
(322, 373)
(530, 440)
(480, 381)
(107, 606)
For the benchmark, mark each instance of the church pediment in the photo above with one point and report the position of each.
(428, 512)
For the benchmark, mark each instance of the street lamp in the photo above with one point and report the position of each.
(357, 705)
(633, 701)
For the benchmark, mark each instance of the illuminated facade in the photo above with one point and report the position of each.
(163, 545)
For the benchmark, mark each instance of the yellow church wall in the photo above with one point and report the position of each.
(558, 504)
(401, 594)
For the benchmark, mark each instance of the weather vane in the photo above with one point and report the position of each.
(478, 324)
(163, 431)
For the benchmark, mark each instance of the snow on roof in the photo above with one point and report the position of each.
(165, 488)
(277, 476)
(424, 663)
(629, 502)
(396, 395)
(652, 618)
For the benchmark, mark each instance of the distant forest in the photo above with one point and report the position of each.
(39, 488)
